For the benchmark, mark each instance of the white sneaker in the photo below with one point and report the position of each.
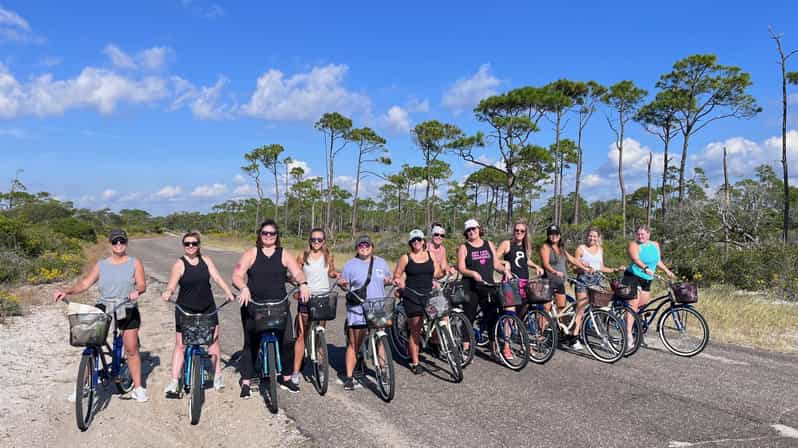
(218, 382)
(139, 394)
(171, 389)
(577, 346)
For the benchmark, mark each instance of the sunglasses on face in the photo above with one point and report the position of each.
(363, 246)
(520, 231)
(118, 241)
(267, 233)
(438, 235)
(317, 240)
(472, 229)
(416, 240)
(190, 243)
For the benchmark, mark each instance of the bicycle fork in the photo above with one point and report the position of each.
(264, 348)
(310, 345)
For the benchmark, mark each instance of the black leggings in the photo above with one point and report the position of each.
(249, 354)
(480, 296)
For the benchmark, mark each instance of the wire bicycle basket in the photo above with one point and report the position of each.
(88, 329)
(197, 330)
(323, 307)
(269, 317)
(437, 305)
(378, 312)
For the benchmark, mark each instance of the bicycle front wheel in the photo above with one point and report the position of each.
(463, 337)
(683, 331)
(85, 388)
(197, 394)
(383, 367)
(451, 352)
(271, 369)
(511, 342)
(625, 313)
(399, 334)
(321, 366)
(542, 331)
(604, 335)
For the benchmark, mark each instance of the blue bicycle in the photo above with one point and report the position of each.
(197, 330)
(99, 362)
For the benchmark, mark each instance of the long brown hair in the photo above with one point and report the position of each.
(525, 242)
(195, 234)
(265, 223)
(304, 257)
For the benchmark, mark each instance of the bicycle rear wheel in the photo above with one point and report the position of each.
(511, 342)
(399, 334)
(604, 335)
(451, 352)
(197, 394)
(85, 388)
(624, 312)
(271, 370)
(683, 331)
(463, 337)
(383, 367)
(321, 366)
(543, 332)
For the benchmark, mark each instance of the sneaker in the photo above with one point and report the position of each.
(507, 353)
(288, 385)
(172, 390)
(577, 345)
(349, 383)
(139, 394)
(416, 369)
(246, 394)
(218, 382)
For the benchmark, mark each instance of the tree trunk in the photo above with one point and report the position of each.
(276, 193)
(578, 176)
(357, 189)
(331, 172)
(648, 203)
(620, 179)
(726, 198)
(285, 205)
(665, 178)
(786, 225)
(682, 166)
(427, 208)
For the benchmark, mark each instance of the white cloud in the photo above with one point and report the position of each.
(136, 196)
(396, 119)
(415, 105)
(86, 199)
(118, 57)
(304, 96)
(15, 28)
(203, 101)
(209, 191)
(300, 164)
(239, 179)
(635, 161)
(109, 194)
(793, 98)
(774, 143)
(466, 93)
(369, 186)
(150, 59)
(244, 190)
(168, 192)
(593, 180)
(742, 156)
(154, 58)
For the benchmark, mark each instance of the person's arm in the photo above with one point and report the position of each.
(218, 278)
(461, 264)
(299, 275)
(545, 252)
(399, 272)
(331, 272)
(633, 250)
(82, 285)
(499, 263)
(141, 281)
(532, 264)
(575, 262)
(244, 263)
(578, 255)
(174, 277)
(661, 264)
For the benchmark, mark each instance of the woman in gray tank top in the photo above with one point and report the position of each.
(119, 277)
(555, 259)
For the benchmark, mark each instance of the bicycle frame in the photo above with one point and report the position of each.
(648, 314)
(108, 370)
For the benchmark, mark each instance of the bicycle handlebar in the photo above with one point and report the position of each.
(347, 289)
(116, 307)
(186, 313)
(287, 296)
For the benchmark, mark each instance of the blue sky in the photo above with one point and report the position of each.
(152, 104)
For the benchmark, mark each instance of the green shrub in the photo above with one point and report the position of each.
(10, 232)
(75, 228)
(12, 266)
(9, 305)
(52, 266)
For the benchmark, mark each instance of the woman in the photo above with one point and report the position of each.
(414, 273)
(516, 255)
(363, 272)
(476, 262)
(319, 267)
(438, 250)
(645, 258)
(193, 272)
(554, 257)
(591, 255)
(266, 267)
(119, 277)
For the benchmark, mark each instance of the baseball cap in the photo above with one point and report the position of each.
(553, 229)
(117, 233)
(470, 224)
(438, 229)
(363, 239)
(415, 233)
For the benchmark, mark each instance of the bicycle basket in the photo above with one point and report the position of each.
(269, 317)
(685, 292)
(437, 306)
(197, 330)
(322, 308)
(599, 296)
(88, 329)
(379, 312)
(538, 291)
(623, 292)
(510, 293)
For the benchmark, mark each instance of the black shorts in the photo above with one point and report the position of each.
(414, 304)
(556, 284)
(178, 316)
(132, 320)
(629, 279)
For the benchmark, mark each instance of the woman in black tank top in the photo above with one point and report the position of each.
(193, 273)
(266, 267)
(413, 274)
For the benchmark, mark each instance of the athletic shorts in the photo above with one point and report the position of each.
(630, 279)
(556, 284)
(414, 305)
(131, 321)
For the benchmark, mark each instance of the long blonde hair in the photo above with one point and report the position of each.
(593, 229)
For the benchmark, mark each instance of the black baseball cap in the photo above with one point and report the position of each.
(553, 229)
(363, 239)
(117, 233)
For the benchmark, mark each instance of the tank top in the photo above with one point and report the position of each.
(480, 259)
(317, 275)
(195, 287)
(518, 260)
(419, 275)
(116, 281)
(593, 260)
(650, 256)
(266, 277)
(557, 262)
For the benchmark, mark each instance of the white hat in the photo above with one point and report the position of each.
(415, 233)
(471, 223)
(439, 230)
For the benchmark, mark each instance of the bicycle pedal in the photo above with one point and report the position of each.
(174, 395)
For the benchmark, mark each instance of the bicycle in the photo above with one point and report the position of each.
(379, 314)
(617, 296)
(434, 324)
(321, 308)
(540, 324)
(463, 332)
(269, 318)
(508, 331)
(197, 329)
(89, 329)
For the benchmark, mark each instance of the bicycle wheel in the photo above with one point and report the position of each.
(84, 391)
(197, 394)
(399, 334)
(463, 337)
(511, 342)
(542, 330)
(603, 334)
(383, 368)
(321, 366)
(271, 369)
(124, 381)
(683, 331)
(451, 352)
(624, 312)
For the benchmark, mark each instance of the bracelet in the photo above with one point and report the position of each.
(304, 283)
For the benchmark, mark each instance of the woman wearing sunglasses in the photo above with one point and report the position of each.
(266, 267)
(516, 254)
(193, 273)
(319, 267)
(438, 250)
(119, 277)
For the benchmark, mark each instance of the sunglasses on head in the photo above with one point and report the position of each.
(267, 233)
(190, 243)
(317, 240)
(441, 235)
(116, 241)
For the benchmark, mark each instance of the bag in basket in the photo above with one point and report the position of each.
(323, 308)
(437, 306)
(511, 293)
(599, 296)
(88, 329)
(458, 295)
(685, 292)
(538, 291)
(269, 317)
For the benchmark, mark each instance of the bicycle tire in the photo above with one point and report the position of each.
(124, 380)
(84, 391)
(386, 381)
(399, 334)
(622, 311)
(321, 366)
(603, 335)
(543, 335)
(509, 329)
(482, 338)
(462, 333)
(271, 371)
(452, 353)
(669, 341)
(197, 393)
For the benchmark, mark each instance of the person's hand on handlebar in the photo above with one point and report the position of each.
(59, 295)
(477, 278)
(166, 295)
(539, 271)
(133, 295)
(304, 292)
(245, 296)
(559, 274)
(230, 297)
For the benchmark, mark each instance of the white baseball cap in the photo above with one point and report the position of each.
(439, 230)
(471, 223)
(415, 233)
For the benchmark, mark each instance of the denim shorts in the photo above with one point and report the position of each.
(588, 279)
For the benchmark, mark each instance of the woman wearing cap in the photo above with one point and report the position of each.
(355, 275)
(438, 250)
(193, 272)
(319, 267)
(645, 258)
(555, 256)
(266, 267)
(476, 261)
(414, 273)
(119, 278)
